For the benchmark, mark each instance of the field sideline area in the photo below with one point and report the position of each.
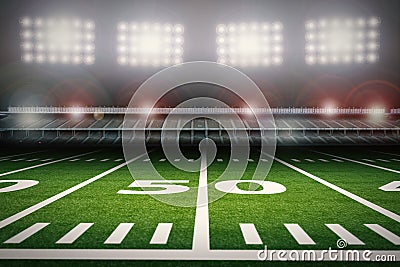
(332, 193)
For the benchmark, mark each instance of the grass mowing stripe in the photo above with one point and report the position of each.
(44, 164)
(54, 198)
(360, 200)
(359, 162)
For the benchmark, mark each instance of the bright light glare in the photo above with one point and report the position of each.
(342, 41)
(147, 44)
(57, 40)
(250, 44)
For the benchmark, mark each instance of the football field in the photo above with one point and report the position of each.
(60, 204)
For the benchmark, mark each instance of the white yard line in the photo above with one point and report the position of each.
(22, 154)
(360, 200)
(201, 235)
(360, 162)
(386, 153)
(54, 198)
(44, 164)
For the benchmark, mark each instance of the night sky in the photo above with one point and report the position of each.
(294, 83)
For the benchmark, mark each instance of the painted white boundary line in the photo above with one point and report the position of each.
(44, 164)
(168, 254)
(201, 235)
(360, 200)
(54, 198)
(359, 162)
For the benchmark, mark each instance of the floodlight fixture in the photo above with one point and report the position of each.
(250, 44)
(149, 44)
(57, 40)
(342, 41)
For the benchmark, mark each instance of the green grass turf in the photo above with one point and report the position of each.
(306, 202)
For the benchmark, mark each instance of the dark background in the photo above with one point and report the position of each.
(292, 84)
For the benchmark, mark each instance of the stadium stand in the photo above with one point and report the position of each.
(293, 126)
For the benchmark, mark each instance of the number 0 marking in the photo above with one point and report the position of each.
(391, 187)
(167, 187)
(231, 186)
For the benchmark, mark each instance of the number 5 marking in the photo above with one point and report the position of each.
(166, 186)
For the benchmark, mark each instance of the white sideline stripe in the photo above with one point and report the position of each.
(235, 160)
(89, 160)
(398, 160)
(295, 160)
(170, 254)
(161, 234)
(117, 160)
(74, 159)
(360, 200)
(28, 232)
(309, 160)
(250, 234)
(337, 160)
(54, 198)
(15, 160)
(46, 159)
(323, 160)
(103, 160)
(383, 232)
(369, 160)
(74, 234)
(299, 234)
(342, 233)
(32, 159)
(383, 160)
(44, 164)
(119, 233)
(163, 160)
(250, 160)
(201, 235)
(360, 162)
(220, 160)
(22, 154)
